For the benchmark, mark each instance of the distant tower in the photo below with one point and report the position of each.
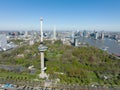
(54, 33)
(42, 48)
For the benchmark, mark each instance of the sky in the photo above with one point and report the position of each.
(64, 14)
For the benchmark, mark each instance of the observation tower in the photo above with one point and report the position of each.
(42, 49)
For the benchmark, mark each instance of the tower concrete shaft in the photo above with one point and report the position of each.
(42, 63)
(42, 74)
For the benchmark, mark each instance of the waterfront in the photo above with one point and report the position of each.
(111, 45)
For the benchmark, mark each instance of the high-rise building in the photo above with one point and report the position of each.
(26, 34)
(54, 33)
(102, 35)
(3, 41)
(96, 35)
(85, 33)
(75, 41)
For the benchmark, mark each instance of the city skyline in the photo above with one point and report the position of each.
(64, 14)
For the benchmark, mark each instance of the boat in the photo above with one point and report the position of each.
(104, 48)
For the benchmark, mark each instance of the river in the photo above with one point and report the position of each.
(111, 45)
